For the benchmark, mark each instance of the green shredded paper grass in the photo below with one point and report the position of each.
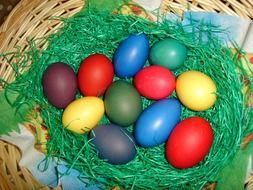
(94, 31)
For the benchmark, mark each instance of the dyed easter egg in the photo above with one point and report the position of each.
(156, 122)
(122, 103)
(59, 84)
(155, 82)
(113, 144)
(169, 53)
(95, 75)
(131, 55)
(196, 90)
(83, 114)
(189, 142)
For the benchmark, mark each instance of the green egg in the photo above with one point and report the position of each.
(122, 103)
(168, 53)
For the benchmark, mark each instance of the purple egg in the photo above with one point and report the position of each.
(59, 84)
(113, 143)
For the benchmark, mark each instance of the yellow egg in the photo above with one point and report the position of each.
(83, 114)
(196, 90)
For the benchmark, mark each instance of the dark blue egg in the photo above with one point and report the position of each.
(113, 143)
(156, 122)
(131, 55)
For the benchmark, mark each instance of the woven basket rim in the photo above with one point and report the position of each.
(28, 16)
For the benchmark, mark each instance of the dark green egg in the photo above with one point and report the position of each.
(168, 53)
(122, 103)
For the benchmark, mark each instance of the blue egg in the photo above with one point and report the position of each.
(131, 55)
(156, 122)
(114, 144)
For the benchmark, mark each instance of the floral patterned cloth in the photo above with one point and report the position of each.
(32, 137)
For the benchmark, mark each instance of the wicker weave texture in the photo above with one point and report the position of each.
(33, 19)
(28, 19)
(12, 176)
(241, 8)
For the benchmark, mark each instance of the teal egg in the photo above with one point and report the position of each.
(169, 53)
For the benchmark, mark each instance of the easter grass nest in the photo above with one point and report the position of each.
(101, 32)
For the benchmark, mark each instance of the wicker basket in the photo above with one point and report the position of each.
(32, 18)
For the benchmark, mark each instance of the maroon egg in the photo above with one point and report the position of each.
(59, 84)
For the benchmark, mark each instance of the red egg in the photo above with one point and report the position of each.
(155, 82)
(95, 75)
(189, 142)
